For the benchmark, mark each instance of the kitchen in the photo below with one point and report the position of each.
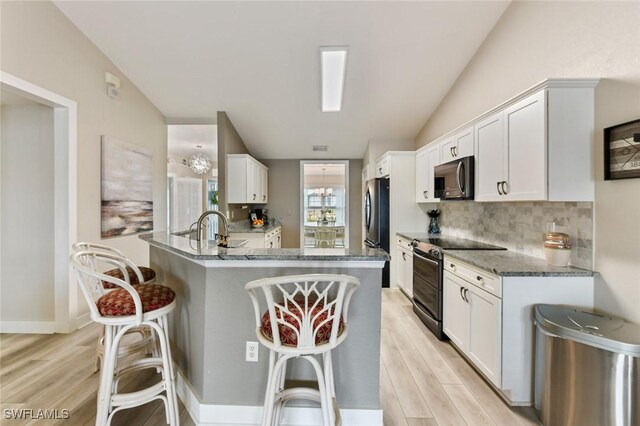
(565, 42)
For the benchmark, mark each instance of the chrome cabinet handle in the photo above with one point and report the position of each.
(264, 197)
(425, 194)
(455, 150)
(498, 187)
(479, 278)
(254, 196)
(380, 169)
(461, 296)
(404, 256)
(466, 298)
(451, 151)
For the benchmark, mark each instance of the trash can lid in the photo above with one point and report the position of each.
(609, 333)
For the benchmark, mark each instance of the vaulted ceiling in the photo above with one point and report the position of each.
(259, 62)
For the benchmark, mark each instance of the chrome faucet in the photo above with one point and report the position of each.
(222, 235)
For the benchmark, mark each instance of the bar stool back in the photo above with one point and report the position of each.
(306, 316)
(145, 343)
(121, 310)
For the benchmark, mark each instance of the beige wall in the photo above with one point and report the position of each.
(229, 142)
(27, 293)
(284, 200)
(538, 40)
(377, 147)
(40, 45)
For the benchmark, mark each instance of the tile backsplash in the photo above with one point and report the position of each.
(520, 226)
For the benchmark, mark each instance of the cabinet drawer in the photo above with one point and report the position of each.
(404, 244)
(481, 279)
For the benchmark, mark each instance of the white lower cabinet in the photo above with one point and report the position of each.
(270, 239)
(484, 340)
(472, 320)
(489, 318)
(455, 321)
(404, 265)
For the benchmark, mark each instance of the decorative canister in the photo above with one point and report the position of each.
(557, 248)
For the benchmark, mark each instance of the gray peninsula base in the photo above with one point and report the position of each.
(215, 319)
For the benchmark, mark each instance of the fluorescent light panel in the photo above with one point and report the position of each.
(334, 64)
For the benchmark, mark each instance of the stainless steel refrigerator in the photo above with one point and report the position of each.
(376, 219)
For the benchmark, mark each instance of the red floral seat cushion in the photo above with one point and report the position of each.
(120, 303)
(147, 275)
(288, 336)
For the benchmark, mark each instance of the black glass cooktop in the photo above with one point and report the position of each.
(453, 243)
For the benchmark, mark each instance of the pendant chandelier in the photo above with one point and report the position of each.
(199, 163)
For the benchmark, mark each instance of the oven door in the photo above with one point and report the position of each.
(427, 283)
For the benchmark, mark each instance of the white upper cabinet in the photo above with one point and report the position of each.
(426, 160)
(247, 180)
(490, 158)
(525, 133)
(460, 145)
(383, 166)
(538, 147)
(511, 153)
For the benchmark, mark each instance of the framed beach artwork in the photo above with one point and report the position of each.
(127, 193)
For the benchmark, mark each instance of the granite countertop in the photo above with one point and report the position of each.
(244, 227)
(415, 235)
(511, 264)
(189, 248)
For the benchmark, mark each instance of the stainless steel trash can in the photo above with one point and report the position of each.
(587, 368)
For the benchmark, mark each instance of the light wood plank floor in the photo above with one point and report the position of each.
(423, 382)
(56, 371)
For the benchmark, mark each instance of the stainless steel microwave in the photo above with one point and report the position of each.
(454, 180)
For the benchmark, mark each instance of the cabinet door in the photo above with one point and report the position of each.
(433, 160)
(484, 345)
(455, 310)
(408, 269)
(382, 168)
(526, 134)
(448, 150)
(252, 182)
(464, 143)
(264, 185)
(422, 180)
(490, 158)
(399, 267)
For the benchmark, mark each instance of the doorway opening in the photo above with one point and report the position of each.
(38, 209)
(324, 206)
(192, 175)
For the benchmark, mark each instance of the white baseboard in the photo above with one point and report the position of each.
(83, 320)
(210, 414)
(27, 327)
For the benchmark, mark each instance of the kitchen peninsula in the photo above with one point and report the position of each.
(215, 319)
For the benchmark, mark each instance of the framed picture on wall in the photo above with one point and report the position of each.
(622, 151)
(127, 190)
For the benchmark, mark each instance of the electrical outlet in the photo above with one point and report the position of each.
(252, 352)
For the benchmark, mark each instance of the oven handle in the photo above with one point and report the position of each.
(427, 259)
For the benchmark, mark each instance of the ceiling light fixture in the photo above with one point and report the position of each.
(199, 163)
(333, 61)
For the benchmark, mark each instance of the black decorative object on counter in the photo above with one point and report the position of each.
(434, 228)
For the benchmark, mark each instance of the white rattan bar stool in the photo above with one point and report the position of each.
(145, 343)
(121, 310)
(305, 317)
